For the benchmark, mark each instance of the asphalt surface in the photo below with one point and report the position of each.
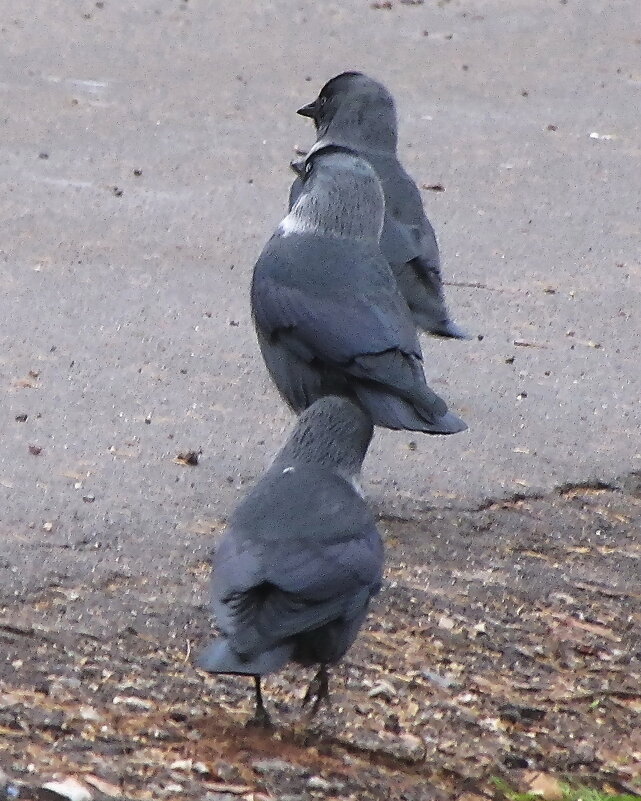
(143, 157)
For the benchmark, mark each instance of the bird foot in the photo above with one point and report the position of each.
(318, 690)
(260, 720)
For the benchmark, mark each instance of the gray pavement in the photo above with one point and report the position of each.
(125, 333)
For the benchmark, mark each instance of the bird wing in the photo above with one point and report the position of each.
(402, 196)
(302, 550)
(336, 299)
(400, 243)
(407, 233)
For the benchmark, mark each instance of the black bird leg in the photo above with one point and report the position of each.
(261, 717)
(318, 690)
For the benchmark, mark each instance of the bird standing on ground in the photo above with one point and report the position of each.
(301, 557)
(327, 310)
(358, 113)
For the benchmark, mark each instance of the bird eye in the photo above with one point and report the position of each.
(322, 100)
(308, 167)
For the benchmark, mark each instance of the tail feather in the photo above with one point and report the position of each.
(218, 657)
(420, 282)
(443, 328)
(391, 411)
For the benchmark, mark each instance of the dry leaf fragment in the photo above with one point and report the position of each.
(86, 712)
(441, 681)
(406, 747)
(133, 701)
(190, 765)
(544, 785)
(181, 764)
(189, 457)
(523, 343)
(382, 688)
(70, 788)
(631, 704)
(609, 592)
(104, 787)
(470, 797)
(412, 709)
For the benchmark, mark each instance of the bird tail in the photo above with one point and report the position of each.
(392, 411)
(218, 657)
(447, 329)
(420, 282)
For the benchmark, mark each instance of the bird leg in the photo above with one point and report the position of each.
(318, 690)
(261, 717)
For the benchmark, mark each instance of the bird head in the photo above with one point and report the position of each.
(354, 110)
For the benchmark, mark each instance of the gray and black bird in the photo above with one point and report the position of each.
(301, 557)
(356, 112)
(328, 313)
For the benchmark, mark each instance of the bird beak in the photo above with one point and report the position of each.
(298, 167)
(309, 110)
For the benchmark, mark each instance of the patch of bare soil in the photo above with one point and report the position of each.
(506, 640)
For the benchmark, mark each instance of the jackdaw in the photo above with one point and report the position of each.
(301, 557)
(329, 317)
(357, 112)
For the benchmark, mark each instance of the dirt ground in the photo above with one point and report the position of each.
(506, 642)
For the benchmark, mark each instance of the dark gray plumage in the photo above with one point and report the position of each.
(301, 557)
(358, 113)
(329, 317)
